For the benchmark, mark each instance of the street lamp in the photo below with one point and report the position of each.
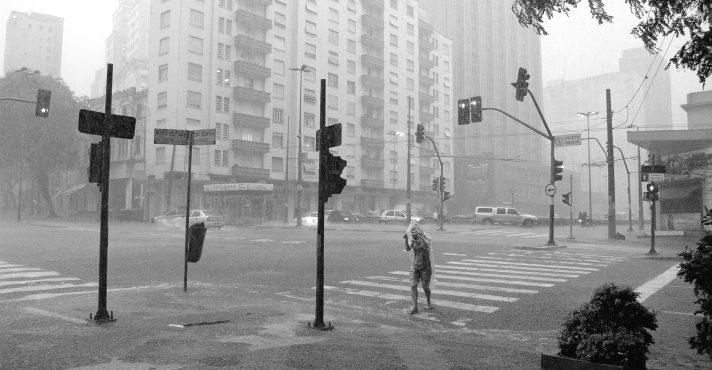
(302, 69)
(630, 211)
(394, 160)
(588, 145)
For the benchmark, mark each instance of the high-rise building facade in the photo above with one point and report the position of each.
(497, 161)
(251, 70)
(34, 41)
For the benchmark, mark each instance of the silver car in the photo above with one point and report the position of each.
(395, 215)
(503, 215)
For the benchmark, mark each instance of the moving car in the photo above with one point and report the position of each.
(503, 215)
(331, 216)
(395, 215)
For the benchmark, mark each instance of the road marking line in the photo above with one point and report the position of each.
(587, 255)
(458, 285)
(439, 303)
(262, 240)
(37, 297)
(15, 282)
(507, 271)
(7, 265)
(18, 269)
(28, 274)
(565, 262)
(535, 278)
(455, 254)
(533, 265)
(55, 315)
(657, 283)
(440, 291)
(580, 272)
(293, 242)
(510, 282)
(34, 288)
(520, 234)
(536, 236)
(484, 232)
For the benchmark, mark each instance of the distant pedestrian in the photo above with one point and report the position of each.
(421, 269)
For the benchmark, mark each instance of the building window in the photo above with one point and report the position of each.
(411, 11)
(394, 40)
(190, 122)
(165, 19)
(221, 50)
(333, 80)
(228, 53)
(278, 67)
(280, 20)
(163, 46)
(394, 4)
(196, 18)
(278, 116)
(195, 160)
(309, 120)
(195, 72)
(277, 140)
(331, 121)
(351, 5)
(226, 104)
(350, 130)
(332, 102)
(333, 37)
(309, 50)
(411, 66)
(311, 74)
(160, 155)
(410, 47)
(228, 27)
(351, 66)
(277, 164)
(410, 84)
(161, 123)
(350, 108)
(410, 29)
(333, 15)
(195, 45)
(278, 91)
(351, 87)
(218, 104)
(394, 117)
(162, 100)
(394, 59)
(163, 73)
(193, 99)
(334, 58)
(309, 142)
(310, 28)
(309, 96)
(351, 25)
(351, 46)
(221, 25)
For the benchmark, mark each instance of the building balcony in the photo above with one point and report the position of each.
(426, 45)
(369, 21)
(371, 163)
(264, 3)
(369, 121)
(250, 173)
(250, 146)
(426, 117)
(369, 141)
(426, 80)
(369, 60)
(424, 27)
(372, 101)
(426, 98)
(375, 4)
(426, 63)
(247, 42)
(372, 82)
(252, 95)
(254, 20)
(248, 120)
(375, 42)
(251, 70)
(373, 183)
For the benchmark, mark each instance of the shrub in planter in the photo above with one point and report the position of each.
(612, 329)
(696, 269)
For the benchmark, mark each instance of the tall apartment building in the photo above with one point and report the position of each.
(237, 66)
(34, 41)
(496, 161)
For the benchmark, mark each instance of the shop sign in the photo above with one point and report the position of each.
(238, 187)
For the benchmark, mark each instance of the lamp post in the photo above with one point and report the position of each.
(588, 148)
(395, 159)
(302, 69)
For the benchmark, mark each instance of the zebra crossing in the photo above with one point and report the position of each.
(481, 284)
(22, 283)
(504, 232)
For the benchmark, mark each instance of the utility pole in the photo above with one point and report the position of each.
(588, 149)
(571, 207)
(630, 210)
(102, 315)
(407, 181)
(302, 69)
(611, 173)
(286, 178)
(170, 178)
(640, 196)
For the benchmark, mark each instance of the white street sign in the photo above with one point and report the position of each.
(659, 177)
(170, 136)
(204, 137)
(567, 140)
(238, 187)
(550, 190)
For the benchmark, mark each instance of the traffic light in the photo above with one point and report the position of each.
(435, 184)
(558, 170)
(442, 183)
(333, 183)
(419, 133)
(522, 84)
(476, 109)
(95, 162)
(652, 193)
(42, 105)
(567, 198)
(446, 196)
(463, 111)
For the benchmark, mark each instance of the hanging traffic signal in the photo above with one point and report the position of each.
(463, 111)
(435, 184)
(42, 105)
(446, 195)
(558, 170)
(567, 198)
(476, 109)
(522, 84)
(442, 183)
(333, 183)
(652, 193)
(419, 133)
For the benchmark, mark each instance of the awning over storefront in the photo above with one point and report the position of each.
(667, 142)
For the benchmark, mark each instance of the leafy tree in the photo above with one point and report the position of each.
(42, 146)
(658, 19)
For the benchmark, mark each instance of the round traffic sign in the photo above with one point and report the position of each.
(299, 187)
(550, 190)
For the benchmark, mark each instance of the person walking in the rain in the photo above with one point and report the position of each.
(421, 269)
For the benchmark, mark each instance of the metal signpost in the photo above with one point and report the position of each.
(189, 138)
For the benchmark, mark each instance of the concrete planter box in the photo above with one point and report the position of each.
(556, 362)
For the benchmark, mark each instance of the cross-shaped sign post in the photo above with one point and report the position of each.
(190, 138)
(107, 125)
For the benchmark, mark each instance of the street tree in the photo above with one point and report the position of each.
(690, 19)
(42, 146)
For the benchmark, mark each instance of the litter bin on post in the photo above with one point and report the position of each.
(196, 236)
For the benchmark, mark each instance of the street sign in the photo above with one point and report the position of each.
(550, 190)
(656, 177)
(238, 187)
(121, 127)
(204, 137)
(653, 169)
(170, 136)
(567, 140)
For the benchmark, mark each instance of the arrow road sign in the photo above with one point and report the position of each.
(550, 190)
(567, 140)
(121, 127)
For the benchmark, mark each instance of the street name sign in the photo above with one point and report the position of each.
(238, 187)
(656, 177)
(91, 122)
(170, 136)
(203, 137)
(567, 140)
(653, 169)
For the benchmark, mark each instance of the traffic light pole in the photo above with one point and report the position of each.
(407, 181)
(440, 185)
(571, 207)
(652, 228)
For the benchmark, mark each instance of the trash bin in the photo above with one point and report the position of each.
(196, 236)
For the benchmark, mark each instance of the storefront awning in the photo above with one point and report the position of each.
(667, 142)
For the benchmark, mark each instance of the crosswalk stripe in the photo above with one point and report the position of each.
(16, 282)
(520, 234)
(35, 288)
(535, 278)
(507, 271)
(40, 296)
(440, 303)
(483, 280)
(588, 255)
(17, 269)
(28, 274)
(485, 264)
(7, 265)
(455, 293)
(459, 285)
(536, 236)
(455, 254)
(564, 262)
(561, 258)
(532, 264)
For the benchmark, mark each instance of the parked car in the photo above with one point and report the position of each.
(176, 218)
(503, 215)
(395, 215)
(168, 217)
(331, 216)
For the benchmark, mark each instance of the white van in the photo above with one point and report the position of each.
(503, 215)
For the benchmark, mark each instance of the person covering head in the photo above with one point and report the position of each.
(414, 231)
(421, 267)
